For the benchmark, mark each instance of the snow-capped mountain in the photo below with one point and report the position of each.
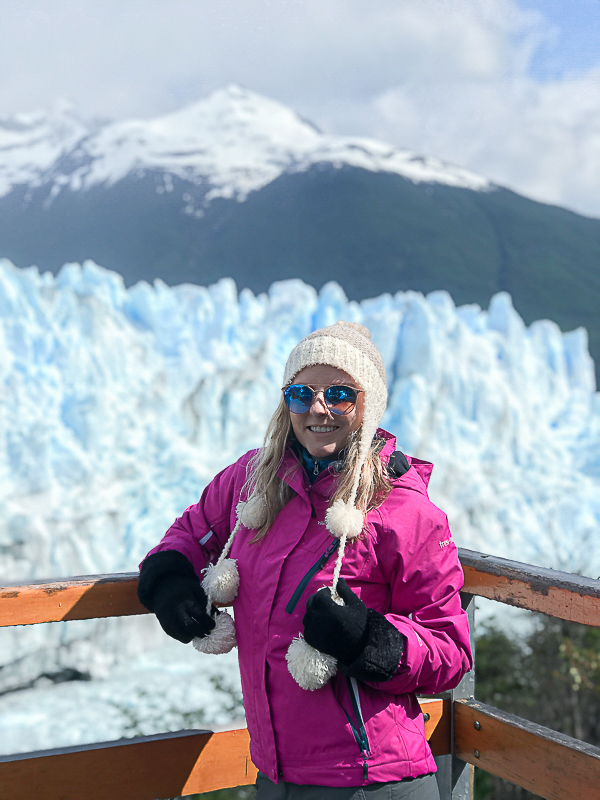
(234, 142)
(118, 405)
(238, 185)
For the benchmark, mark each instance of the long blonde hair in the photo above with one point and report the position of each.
(263, 481)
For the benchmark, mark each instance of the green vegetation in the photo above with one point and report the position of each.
(551, 677)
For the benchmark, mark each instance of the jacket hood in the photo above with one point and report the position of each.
(417, 477)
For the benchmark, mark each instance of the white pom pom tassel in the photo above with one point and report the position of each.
(310, 668)
(343, 518)
(221, 581)
(253, 514)
(221, 639)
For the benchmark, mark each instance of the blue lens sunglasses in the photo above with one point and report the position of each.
(299, 398)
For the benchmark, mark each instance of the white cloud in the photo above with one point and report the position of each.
(448, 78)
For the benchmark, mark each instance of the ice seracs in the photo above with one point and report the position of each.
(137, 397)
(119, 405)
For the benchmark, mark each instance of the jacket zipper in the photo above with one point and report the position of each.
(360, 734)
(318, 565)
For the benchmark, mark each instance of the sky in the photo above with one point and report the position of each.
(507, 88)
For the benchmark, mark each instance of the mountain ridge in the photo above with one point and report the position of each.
(235, 139)
(239, 185)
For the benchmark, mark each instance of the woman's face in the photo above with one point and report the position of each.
(322, 433)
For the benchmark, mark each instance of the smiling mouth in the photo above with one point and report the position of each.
(321, 429)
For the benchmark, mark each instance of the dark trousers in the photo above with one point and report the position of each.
(423, 788)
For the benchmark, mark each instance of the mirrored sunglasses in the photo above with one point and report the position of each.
(339, 399)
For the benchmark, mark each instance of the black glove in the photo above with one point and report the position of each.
(368, 647)
(180, 607)
(169, 586)
(339, 631)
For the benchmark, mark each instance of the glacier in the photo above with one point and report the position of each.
(118, 406)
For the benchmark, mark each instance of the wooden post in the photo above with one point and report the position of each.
(454, 776)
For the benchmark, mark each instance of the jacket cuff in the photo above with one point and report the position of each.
(381, 654)
(155, 567)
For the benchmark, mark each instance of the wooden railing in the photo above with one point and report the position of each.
(546, 763)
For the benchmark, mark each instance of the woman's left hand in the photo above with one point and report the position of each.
(340, 631)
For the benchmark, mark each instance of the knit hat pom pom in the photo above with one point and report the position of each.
(343, 518)
(222, 581)
(253, 513)
(221, 639)
(310, 668)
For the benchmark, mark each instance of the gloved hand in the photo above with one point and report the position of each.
(180, 606)
(168, 586)
(339, 631)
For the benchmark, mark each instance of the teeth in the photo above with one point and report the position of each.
(322, 430)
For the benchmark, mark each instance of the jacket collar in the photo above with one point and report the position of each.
(292, 472)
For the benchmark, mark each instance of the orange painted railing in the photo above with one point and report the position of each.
(549, 764)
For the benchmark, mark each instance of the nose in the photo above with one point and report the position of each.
(319, 406)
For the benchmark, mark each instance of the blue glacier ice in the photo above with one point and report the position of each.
(118, 405)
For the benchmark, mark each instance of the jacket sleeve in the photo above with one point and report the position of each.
(425, 578)
(201, 531)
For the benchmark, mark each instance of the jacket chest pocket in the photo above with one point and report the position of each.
(328, 555)
(358, 558)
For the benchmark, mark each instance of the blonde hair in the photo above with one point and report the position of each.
(263, 481)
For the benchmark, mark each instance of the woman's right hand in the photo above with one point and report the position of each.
(179, 603)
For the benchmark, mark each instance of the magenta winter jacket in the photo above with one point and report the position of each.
(405, 566)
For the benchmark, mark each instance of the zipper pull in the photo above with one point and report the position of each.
(316, 469)
(313, 511)
(365, 770)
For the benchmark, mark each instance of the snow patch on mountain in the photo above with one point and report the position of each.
(32, 145)
(232, 142)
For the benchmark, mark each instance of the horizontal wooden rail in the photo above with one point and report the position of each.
(156, 767)
(559, 594)
(144, 768)
(549, 764)
(83, 597)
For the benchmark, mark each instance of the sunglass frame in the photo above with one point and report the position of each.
(323, 390)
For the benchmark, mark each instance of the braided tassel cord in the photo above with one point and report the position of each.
(221, 583)
(310, 668)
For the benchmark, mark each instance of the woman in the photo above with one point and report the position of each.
(329, 677)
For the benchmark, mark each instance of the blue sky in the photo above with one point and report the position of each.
(576, 41)
(507, 88)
